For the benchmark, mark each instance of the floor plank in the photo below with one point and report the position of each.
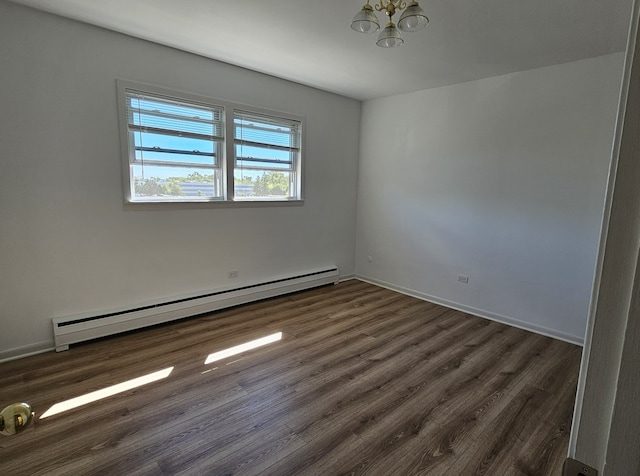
(364, 381)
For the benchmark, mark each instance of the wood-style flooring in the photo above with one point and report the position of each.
(363, 381)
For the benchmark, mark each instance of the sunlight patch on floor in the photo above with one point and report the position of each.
(238, 349)
(106, 392)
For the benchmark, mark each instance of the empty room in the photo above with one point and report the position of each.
(319, 237)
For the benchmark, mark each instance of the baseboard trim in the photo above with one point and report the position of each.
(510, 321)
(26, 351)
(68, 330)
(48, 346)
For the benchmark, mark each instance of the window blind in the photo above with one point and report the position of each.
(264, 141)
(171, 117)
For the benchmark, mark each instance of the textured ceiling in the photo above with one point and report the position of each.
(310, 42)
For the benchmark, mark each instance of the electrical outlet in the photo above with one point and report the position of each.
(232, 274)
(573, 467)
(463, 279)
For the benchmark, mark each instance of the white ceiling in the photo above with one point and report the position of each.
(310, 42)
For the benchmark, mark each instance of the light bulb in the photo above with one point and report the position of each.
(411, 23)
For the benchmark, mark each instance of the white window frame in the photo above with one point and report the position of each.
(226, 153)
(288, 143)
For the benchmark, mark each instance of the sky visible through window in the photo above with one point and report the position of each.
(179, 150)
(270, 134)
(192, 129)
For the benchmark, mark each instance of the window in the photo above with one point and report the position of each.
(267, 151)
(175, 149)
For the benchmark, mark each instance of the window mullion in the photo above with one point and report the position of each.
(229, 153)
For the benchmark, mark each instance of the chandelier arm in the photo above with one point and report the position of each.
(390, 6)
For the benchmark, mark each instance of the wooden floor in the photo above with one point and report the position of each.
(364, 381)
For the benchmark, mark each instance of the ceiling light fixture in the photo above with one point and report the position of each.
(412, 19)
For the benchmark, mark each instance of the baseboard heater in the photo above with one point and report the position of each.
(83, 327)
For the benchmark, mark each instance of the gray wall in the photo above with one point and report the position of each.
(69, 245)
(502, 180)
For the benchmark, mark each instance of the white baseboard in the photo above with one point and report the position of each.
(47, 346)
(26, 351)
(510, 321)
(69, 330)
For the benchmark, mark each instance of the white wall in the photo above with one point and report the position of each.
(502, 180)
(67, 242)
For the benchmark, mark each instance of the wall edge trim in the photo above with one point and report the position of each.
(26, 351)
(510, 321)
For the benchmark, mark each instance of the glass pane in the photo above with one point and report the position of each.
(266, 130)
(262, 184)
(181, 183)
(263, 157)
(172, 115)
(174, 149)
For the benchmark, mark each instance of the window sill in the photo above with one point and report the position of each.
(183, 205)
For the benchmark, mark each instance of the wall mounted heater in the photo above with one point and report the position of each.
(83, 327)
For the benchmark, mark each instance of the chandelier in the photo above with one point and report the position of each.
(413, 18)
